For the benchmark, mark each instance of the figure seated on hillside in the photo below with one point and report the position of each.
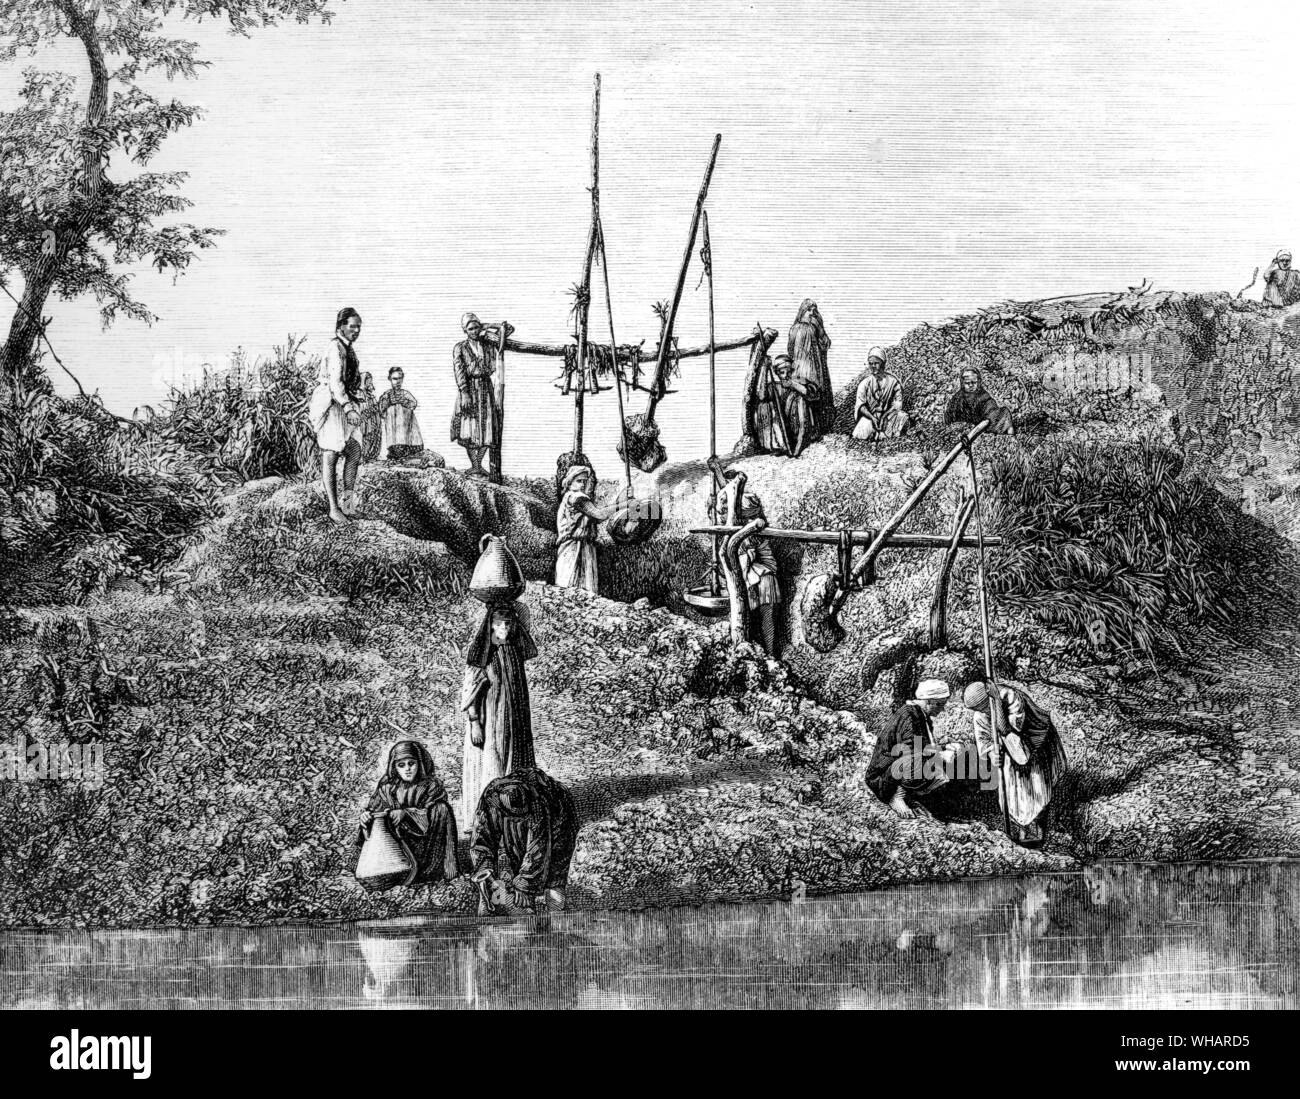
(1281, 283)
(878, 408)
(973, 404)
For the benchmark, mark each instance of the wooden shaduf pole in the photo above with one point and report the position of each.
(613, 347)
(665, 345)
(896, 520)
(583, 303)
(990, 674)
(706, 255)
(642, 432)
(858, 537)
(495, 471)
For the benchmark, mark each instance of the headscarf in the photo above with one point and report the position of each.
(976, 695)
(467, 320)
(751, 507)
(479, 653)
(876, 353)
(574, 473)
(932, 690)
(426, 772)
(1282, 254)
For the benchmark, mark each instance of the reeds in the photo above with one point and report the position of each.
(1118, 544)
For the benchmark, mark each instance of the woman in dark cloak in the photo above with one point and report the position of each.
(807, 347)
(494, 699)
(415, 802)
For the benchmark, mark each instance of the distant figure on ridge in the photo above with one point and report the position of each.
(972, 404)
(807, 347)
(371, 431)
(796, 399)
(878, 409)
(475, 425)
(1281, 282)
(335, 414)
(402, 437)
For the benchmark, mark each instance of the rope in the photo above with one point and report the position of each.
(990, 669)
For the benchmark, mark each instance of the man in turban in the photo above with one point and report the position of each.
(909, 764)
(1028, 749)
(972, 404)
(1281, 283)
(807, 347)
(878, 409)
(476, 421)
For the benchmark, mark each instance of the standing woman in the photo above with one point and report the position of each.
(807, 347)
(494, 699)
(335, 412)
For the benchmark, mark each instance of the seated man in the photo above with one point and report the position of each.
(878, 410)
(525, 832)
(973, 404)
(908, 763)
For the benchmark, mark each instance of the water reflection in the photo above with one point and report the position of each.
(1222, 936)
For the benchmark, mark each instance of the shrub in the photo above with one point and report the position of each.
(86, 497)
(1119, 544)
(249, 422)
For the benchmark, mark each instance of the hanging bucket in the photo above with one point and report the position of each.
(497, 576)
(703, 597)
(635, 522)
(705, 600)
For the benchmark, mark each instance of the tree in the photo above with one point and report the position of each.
(69, 223)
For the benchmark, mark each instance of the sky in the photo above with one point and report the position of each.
(898, 162)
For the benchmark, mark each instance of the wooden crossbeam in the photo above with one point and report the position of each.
(860, 537)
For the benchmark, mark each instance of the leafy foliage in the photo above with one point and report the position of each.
(67, 225)
(249, 422)
(85, 498)
(1119, 544)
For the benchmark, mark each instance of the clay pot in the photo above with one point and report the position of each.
(497, 576)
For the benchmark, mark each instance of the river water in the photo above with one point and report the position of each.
(1224, 935)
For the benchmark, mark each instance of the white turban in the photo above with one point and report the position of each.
(876, 353)
(932, 689)
(467, 320)
(573, 474)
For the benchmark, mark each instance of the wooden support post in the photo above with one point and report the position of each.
(584, 283)
(939, 608)
(857, 537)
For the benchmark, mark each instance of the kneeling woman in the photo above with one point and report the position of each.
(414, 800)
